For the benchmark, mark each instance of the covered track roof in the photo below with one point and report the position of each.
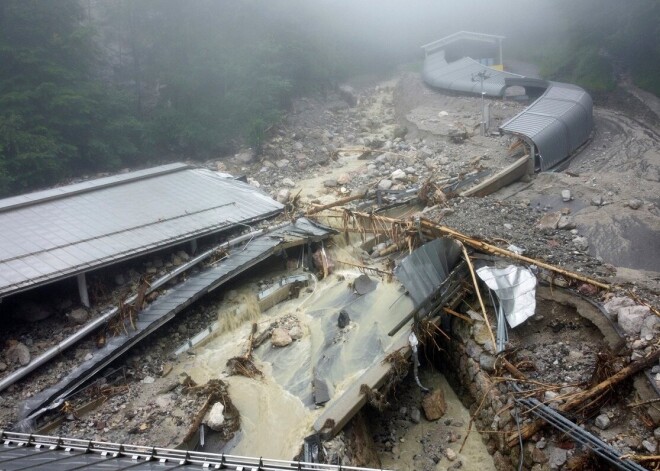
(463, 76)
(54, 234)
(558, 122)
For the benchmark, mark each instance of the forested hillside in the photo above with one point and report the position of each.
(97, 85)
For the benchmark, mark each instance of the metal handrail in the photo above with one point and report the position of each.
(149, 453)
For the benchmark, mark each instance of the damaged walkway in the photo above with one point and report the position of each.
(169, 304)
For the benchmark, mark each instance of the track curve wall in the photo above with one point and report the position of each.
(555, 125)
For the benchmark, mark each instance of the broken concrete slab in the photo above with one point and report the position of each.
(322, 390)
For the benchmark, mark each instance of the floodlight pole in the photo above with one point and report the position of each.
(481, 76)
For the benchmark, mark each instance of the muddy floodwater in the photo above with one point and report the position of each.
(277, 410)
(410, 445)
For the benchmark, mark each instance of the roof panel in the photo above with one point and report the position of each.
(558, 122)
(460, 75)
(89, 224)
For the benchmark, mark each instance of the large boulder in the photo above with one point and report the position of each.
(216, 417)
(280, 337)
(631, 319)
(434, 405)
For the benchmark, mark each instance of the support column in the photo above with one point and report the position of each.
(82, 289)
(193, 247)
(499, 41)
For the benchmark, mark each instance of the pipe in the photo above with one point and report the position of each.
(96, 323)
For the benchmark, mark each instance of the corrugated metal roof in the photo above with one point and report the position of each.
(461, 75)
(23, 451)
(557, 123)
(53, 234)
(423, 271)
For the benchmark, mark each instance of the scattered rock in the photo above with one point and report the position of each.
(487, 362)
(450, 454)
(631, 319)
(282, 163)
(581, 243)
(330, 183)
(549, 221)
(398, 174)
(344, 179)
(649, 446)
(557, 458)
(296, 332)
(434, 405)
(566, 223)
(17, 353)
(415, 416)
(288, 182)
(385, 184)
(635, 203)
(602, 422)
(650, 328)
(538, 456)
(3, 366)
(283, 195)
(344, 319)
(597, 201)
(216, 417)
(566, 196)
(148, 380)
(280, 337)
(78, 316)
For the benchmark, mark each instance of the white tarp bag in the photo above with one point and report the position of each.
(515, 288)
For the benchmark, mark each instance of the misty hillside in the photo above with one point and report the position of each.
(97, 85)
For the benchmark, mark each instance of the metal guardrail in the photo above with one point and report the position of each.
(125, 456)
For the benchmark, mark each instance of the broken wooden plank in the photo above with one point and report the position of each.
(504, 177)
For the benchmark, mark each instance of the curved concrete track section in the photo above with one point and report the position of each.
(554, 126)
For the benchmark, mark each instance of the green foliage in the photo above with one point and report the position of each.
(55, 120)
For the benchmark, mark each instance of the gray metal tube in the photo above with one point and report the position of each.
(96, 323)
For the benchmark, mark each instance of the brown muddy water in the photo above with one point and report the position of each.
(277, 410)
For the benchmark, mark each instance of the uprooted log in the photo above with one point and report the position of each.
(243, 365)
(215, 391)
(581, 398)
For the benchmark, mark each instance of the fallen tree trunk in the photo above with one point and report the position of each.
(436, 230)
(339, 202)
(580, 398)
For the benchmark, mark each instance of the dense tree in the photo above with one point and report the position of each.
(91, 85)
(54, 116)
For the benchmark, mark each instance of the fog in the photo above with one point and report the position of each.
(97, 85)
(398, 28)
